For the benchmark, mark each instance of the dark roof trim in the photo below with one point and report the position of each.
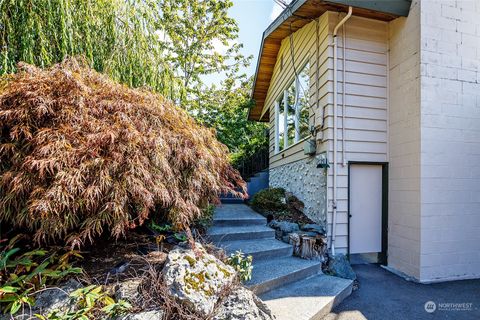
(286, 13)
(396, 7)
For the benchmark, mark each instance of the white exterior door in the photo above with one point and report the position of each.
(365, 208)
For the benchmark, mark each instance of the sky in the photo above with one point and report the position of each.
(253, 17)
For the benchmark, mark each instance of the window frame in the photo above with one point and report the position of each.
(284, 96)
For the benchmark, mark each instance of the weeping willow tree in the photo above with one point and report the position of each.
(117, 37)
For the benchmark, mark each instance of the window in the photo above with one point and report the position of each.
(304, 102)
(280, 120)
(292, 112)
(291, 96)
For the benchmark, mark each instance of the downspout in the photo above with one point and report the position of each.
(335, 146)
(344, 89)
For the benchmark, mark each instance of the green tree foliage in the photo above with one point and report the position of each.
(117, 37)
(194, 30)
(226, 109)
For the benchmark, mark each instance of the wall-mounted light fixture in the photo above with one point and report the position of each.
(322, 160)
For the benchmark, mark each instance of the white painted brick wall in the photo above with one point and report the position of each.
(450, 140)
(404, 140)
(434, 136)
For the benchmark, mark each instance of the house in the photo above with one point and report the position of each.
(374, 112)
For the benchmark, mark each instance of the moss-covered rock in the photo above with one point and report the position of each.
(242, 304)
(196, 278)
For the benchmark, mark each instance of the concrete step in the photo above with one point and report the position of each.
(273, 273)
(259, 250)
(218, 233)
(308, 299)
(231, 200)
(262, 173)
(256, 183)
(237, 215)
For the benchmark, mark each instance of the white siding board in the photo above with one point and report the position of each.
(366, 99)
(366, 108)
(304, 50)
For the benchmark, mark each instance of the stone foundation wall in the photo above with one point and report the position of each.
(308, 183)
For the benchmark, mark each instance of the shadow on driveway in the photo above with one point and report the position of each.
(383, 295)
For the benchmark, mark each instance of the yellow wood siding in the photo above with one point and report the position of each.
(304, 49)
(366, 120)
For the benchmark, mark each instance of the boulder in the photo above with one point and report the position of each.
(307, 234)
(339, 266)
(145, 315)
(286, 238)
(283, 229)
(314, 228)
(128, 289)
(58, 299)
(196, 278)
(285, 226)
(242, 304)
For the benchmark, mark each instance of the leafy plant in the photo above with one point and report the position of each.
(160, 228)
(81, 155)
(242, 264)
(23, 273)
(89, 303)
(180, 236)
(206, 219)
(270, 199)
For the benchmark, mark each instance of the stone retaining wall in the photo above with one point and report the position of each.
(307, 182)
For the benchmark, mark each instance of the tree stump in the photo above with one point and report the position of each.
(308, 247)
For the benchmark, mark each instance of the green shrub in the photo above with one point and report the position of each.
(241, 264)
(81, 154)
(90, 302)
(206, 220)
(270, 200)
(22, 272)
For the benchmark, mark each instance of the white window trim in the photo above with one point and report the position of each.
(277, 129)
(297, 111)
(285, 119)
(285, 116)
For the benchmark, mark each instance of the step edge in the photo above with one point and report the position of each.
(240, 219)
(286, 248)
(293, 272)
(306, 267)
(240, 232)
(334, 301)
(257, 235)
(292, 275)
(328, 307)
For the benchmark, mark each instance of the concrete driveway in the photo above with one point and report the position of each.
(383, 295)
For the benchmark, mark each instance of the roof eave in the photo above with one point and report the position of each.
(395, 8)
(272, 27)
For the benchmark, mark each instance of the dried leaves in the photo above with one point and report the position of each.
(81, 154)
